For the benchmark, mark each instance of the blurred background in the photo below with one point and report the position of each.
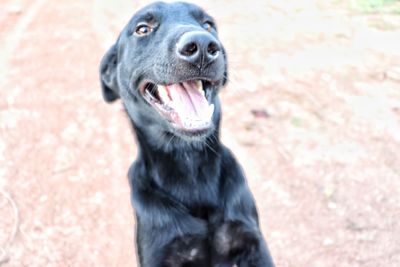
(312, 112)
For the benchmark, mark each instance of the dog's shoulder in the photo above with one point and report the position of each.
(230, 168)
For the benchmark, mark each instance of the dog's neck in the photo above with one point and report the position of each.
(179, 157)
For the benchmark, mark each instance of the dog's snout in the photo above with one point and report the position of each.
(196, 47)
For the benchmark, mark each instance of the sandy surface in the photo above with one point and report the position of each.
(312, 111)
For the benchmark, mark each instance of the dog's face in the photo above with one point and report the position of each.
(167, 66)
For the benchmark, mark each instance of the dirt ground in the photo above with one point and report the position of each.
(312, 111)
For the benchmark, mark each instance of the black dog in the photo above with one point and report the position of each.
(192, 203)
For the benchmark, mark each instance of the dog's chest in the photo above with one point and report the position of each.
(194, 191)
(191, 179)
(197, 188)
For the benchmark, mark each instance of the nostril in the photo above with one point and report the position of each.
(189, 49)
(213, 49)
(198, 47)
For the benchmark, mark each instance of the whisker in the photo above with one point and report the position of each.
(231, 79)
(153, 88)
(170, 140)
(213, 136)
(215, 152)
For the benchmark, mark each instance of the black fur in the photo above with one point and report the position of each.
(192, 203)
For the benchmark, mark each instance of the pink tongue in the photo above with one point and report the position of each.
(189, 103)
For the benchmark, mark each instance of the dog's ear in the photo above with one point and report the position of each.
(108, 75)
(226, 78)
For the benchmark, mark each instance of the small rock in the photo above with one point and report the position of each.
(329, 190)
(332, 205)
(15, 10)
(328, 242)
(260, 113)
(369, 236)
(393, 74)
(43, 198)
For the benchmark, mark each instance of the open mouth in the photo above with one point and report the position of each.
(185, 105)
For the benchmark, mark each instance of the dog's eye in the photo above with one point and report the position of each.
(143, 29)
(208, 26)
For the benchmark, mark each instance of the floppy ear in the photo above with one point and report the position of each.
(108, 75)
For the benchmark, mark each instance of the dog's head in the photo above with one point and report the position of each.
(167, 67)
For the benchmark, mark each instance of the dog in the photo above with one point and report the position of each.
(191, 200)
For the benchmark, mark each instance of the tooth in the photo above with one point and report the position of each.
(210, 110)
(162, 92)
(199, 86)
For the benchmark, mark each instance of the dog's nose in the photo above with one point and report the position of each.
(198, 47)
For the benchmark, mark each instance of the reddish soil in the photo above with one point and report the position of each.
(312, 112)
